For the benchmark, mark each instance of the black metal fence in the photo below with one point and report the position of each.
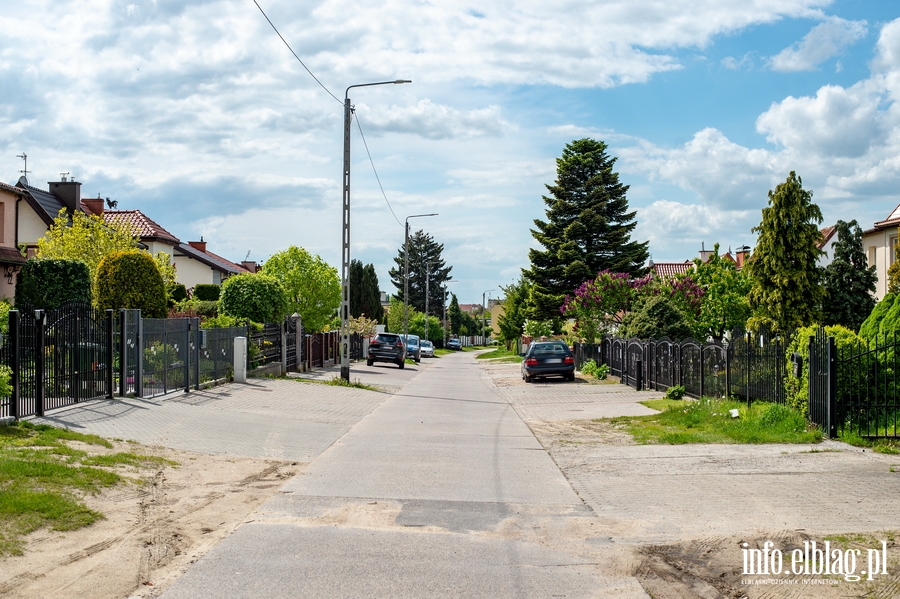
(750, 367)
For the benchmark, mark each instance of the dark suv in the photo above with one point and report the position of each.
(386, 347)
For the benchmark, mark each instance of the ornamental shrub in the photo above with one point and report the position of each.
(45, 284)
(177, 292)
(657, 318)
(258, 297)
(871, 326)
(844, 339)
(207, 292)
(131, 280)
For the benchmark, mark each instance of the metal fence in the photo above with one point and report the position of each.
(750, 367)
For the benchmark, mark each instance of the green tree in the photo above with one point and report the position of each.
(131, 280)
(588, 228)
(365, 297)
(657, 317)
(257, 297)
(454, 315)
(312, 286)
(512, 321)
(871, 327)
(786, 292)
(84, 237)
(849, 281)
(425, 261)
(724, 306)
(599, 304)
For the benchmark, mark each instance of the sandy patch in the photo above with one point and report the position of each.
(155, 527)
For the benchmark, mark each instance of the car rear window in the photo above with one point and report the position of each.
(382, 338)
(549, 349)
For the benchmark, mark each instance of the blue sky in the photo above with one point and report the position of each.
(196, 114)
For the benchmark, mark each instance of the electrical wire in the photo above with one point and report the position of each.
(372, 162)
(294, 53)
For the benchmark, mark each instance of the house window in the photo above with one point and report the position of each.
(872, 253)
(893, 246)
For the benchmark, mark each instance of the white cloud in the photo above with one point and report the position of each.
(434, 121)
(671, 225)
(821, 43)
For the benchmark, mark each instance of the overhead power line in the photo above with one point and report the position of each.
(294, 53)
(372, 162)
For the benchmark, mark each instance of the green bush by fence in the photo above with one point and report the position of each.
(45, 284)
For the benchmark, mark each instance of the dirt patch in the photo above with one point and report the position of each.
(713, 567)
(155, 527)
(559, 434)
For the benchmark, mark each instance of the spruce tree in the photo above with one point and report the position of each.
(588, 228)
(424, 260)
(786, 292)
(849, 281)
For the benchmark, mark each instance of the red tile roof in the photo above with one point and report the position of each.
(827, 233)
(141, 226)
(667, 270)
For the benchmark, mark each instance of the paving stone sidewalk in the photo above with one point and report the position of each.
(268, 418)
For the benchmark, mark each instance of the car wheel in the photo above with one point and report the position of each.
(401, 364)
(570, 377)
(369, 362)
(527, 378)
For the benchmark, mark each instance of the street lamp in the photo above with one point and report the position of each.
(345, 251)
(484, 316)
(406, 274)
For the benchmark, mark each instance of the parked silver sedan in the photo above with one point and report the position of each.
(427, 348)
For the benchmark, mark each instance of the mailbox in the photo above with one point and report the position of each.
(797, 361)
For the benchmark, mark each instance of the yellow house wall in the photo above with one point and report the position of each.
(877, 246)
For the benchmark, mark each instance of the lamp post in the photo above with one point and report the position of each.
(483, 315)
(406, 274)
(444, 327)
(345, 250)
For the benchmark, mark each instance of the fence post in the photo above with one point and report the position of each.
(123, 353)
(639, 375)
(110, 352)
(702, 378)
(749, 366)
(40, 362)
(240, 359)
(198, 338)
(282, 332)
(831, 411)
(139, 345)
(15, 347)
(188, 354)
(728, 350)
(298, 342)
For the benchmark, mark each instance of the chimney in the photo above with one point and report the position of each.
(93, 205)
(250, 265)
(198, 245)
(704, 253)
(742, 255)
(68, 192)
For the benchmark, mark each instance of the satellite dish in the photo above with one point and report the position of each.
(23, 180)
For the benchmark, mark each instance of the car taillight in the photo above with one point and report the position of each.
(531, 362)
(399, 344)
(374, 344)
(569, 360)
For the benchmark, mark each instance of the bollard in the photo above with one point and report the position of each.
(240, 359)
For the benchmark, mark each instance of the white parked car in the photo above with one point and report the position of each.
(427, 349)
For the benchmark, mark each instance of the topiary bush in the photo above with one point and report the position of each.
(207, 292)
(871, 326)
(178, 292)
(131, 280)
(258, 297)
(45, 284)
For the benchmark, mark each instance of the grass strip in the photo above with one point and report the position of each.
(710, 421)
(500, 355)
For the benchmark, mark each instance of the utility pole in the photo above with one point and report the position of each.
(484, 316)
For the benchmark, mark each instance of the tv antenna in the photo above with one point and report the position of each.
(247, 257)
(24, 157)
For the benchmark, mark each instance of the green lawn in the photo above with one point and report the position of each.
(710, 421)
(500, 355)
(42, 480)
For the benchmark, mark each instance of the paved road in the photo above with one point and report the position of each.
(441, 491)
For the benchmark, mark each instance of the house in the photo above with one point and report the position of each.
(194, 264)
(826, 244)
(880, 244)
(11, 260)
(668, 270)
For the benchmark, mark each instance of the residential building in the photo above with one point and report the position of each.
(11, 259)
(880, 245)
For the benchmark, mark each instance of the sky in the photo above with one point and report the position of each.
(197, 114)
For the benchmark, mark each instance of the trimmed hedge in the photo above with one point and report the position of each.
(257, 297)
(178, 292)
(45, 284)
(131, 280)
(207, 292)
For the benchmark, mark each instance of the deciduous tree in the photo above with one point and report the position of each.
(312, 286)
(588, 228)
(724, 306)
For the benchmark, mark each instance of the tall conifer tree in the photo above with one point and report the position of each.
(424, 261)
(787, 291)
(849, 280)
(588, 228)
